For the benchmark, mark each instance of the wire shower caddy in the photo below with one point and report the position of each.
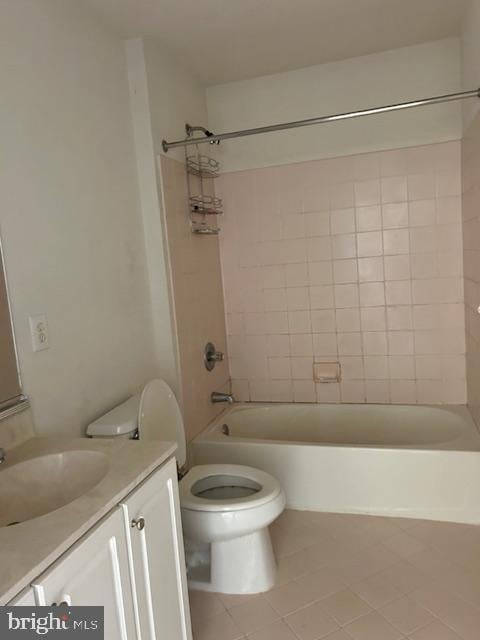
(204, 206)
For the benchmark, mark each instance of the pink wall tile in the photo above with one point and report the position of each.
(354, 259)
(394, 189)
(301, 344)
(367, 193)
(324, 320)
(368, 218)
(371, 269)
(304, 391)
(377, 391)
(374, 318)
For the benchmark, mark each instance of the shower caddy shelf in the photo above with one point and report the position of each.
(203, 204)
(203, 166)
(206, 205)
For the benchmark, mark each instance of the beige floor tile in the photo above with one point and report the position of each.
(454, 612)
(323, 517)
(230, 600)
(441, 534)
(406, 615)
(345, 606)
(311, 623)
(253, 615)
(294, 566)
(431, 562)
(322, 583)
(434, 631)
(284, 542)
(276, 631)
(349, 535)
(204, 605)
(357, 521)
(344, 528)
(466, 552)
(330, 552)
(372, 627)
(406, 523)
(289, 597)
(381, 529)
(334, 567)
(287, 542)
(377, 590)
(464, 582)
(292, 519)
(219, 627)
(338, 635)
(405, 577)
(295, 525)
(367, 562)
(403, 544)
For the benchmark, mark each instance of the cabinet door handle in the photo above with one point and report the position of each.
(138, 524)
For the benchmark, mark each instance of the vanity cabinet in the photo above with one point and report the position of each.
(24, 599)
(132, 563)
(156, 557)
(95, 572)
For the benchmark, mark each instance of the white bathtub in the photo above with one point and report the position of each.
(394, 460)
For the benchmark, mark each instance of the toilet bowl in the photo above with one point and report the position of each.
(226, 509)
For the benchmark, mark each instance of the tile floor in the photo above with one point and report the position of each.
(344, 577)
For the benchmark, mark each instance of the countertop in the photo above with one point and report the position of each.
(28, 548)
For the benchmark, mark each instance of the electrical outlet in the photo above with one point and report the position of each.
(39, 332)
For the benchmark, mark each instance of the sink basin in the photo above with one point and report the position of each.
(37, 486)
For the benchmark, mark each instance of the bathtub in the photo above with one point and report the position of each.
(391, 460)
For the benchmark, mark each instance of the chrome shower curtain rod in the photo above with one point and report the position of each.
(216, 138)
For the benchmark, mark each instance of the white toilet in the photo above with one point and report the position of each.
(226, 508)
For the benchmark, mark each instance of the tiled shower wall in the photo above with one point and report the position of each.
(471, 239)
(355, 259)
(196, 285)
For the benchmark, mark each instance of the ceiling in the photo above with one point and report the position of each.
(226, 40)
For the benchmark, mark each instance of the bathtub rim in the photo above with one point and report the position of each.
(467, 442)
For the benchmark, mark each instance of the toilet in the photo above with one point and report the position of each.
(226, 508)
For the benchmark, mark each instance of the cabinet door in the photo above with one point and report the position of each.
(157, 561)
(24, 599)
(95, 572)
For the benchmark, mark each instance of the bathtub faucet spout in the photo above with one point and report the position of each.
(216, 396)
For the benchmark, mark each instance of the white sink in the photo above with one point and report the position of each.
(37, 486)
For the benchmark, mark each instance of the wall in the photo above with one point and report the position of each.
(164, 96)
(185, 275)
(198, 299)
(471, 204)
(143, 111)
(384, 78)
(471, 240)
(176, 97)
(69, 219)
(356, 259)
(471, 59)
(16, 429)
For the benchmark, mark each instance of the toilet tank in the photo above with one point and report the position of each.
(120, 422)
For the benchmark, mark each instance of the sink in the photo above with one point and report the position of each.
(37, 486)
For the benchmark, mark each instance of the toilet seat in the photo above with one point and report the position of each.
(268, 487)
(159, 417)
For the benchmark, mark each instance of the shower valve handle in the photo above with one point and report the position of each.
(211, 356)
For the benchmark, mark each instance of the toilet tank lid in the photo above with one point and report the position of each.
(120, 421)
